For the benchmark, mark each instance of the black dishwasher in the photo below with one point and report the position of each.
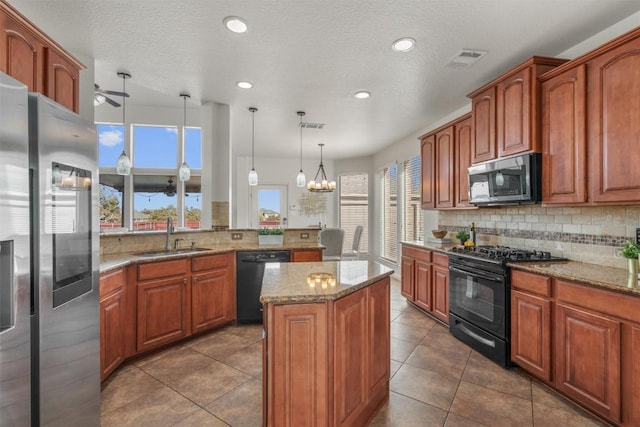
(250, 271)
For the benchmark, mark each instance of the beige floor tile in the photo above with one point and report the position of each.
(415, 318)
(220, 345)
(445, 360)
(484, 372)
(176, 365)
(247, 360)
(406, 412)
(546, 400)
(426, 386)
(547, 416)
(241, 406)
(400, 349)
(202, 418)
(125, 386)
(394, 368)
(491, 407)
(393, 315)
(250, 332)
(413, 334)
(158, 354)
(454, 420)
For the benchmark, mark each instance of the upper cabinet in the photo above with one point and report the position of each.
(446, 155)
(505, 112)
(30, 56)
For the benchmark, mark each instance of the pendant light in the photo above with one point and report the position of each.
(320, 184)
(184, 173)
(253, 175)
(123, 164)
(301, 180)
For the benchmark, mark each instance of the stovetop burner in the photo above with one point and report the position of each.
(505, 254)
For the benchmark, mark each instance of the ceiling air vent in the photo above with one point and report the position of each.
(465, 58)
(312, 125)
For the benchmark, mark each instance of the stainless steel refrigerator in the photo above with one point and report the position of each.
(58, 312)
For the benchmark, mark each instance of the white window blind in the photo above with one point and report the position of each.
(390, 213)
(354, 208)
(413, 220)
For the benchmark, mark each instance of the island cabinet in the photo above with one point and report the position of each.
(506, 112)
(164, 303)
(425, 281)
(327, 362)
(31, 57)
(112, 321)
(306, 255)
(446, 155)
(580, 340)
(212, 291)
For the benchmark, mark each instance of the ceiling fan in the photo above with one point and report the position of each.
(100, 96)
(170, 190)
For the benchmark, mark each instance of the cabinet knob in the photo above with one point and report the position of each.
(184, 280)
(195, 280)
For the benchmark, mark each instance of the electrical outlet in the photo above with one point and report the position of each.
(236, 236)
(638, 236)
(304, 235)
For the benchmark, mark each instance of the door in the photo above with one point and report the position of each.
(268, 206)
(210, 299)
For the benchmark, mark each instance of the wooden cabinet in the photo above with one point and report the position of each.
(212, 292)
(306, 255)
(614, 129)
(446, 155)
(425, 281)
(112, 321)
(564, 140)
(327, 363)
(30, 56)
(531, 323)
(163, 307)
(505, 112)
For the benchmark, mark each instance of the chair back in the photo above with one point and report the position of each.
(355, 247)
(331, 239)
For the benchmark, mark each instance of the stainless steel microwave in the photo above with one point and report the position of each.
(510, 181)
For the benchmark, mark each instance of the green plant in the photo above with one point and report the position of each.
(630, 250)
(270, 231)
(462, 235)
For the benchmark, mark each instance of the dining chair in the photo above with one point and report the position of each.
(355, 246)
(331, 239)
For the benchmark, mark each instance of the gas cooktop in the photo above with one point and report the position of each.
(504, 254)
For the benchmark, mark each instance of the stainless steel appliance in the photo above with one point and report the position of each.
(479, 296)
(250, 272)
(49, 339)
(513, 180)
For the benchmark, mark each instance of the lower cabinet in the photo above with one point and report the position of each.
(425, 281)
(212, 292)
(327, 363)
(306, 255)
(112, 321)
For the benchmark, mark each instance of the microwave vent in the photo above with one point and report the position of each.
(465, 58)
(309, 125)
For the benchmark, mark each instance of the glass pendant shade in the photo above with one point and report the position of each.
(123, 165)
(184, 173)
(253, 177)
(301, 180)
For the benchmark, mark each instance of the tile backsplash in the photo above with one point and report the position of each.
(587, 234)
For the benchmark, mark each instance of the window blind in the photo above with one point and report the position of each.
(413, 219)
(390, 213)
(354, 208)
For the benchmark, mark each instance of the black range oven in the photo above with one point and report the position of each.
(479, 297)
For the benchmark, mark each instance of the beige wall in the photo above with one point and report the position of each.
(588, 234)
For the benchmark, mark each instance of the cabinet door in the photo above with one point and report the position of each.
(62, 83)
(483, 126)
(564, 144)
(297, 386)
(112, 325)
(614, 91)
(379, 350)
(423, 285)
(587, 359)
(306, 256)
(350, 358)
(441, 293)
(445, 182)
(407, 288)
(428, 154)
(210, 300)
(531, 333)
(22, 54)
(164, 312)
(463, 161)
(514, 114)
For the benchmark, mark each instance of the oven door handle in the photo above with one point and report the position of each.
(478, 274)
(483, 340)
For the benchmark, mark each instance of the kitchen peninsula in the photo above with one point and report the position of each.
(326, 351)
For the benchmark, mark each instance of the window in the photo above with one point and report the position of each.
(354, 208)
(412, 219)
(110, 144)
(390, 213)
(155, 147)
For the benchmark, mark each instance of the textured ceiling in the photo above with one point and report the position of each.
(312, 55)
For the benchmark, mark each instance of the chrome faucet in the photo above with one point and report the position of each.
(167, 245)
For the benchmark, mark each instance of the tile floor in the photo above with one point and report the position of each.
(215, 380)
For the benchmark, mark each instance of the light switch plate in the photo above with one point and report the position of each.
(304, 235)
(236, 236)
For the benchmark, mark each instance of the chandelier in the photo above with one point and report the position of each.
(320, 184)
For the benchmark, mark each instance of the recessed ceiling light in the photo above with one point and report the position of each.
(404, 44)
(235, 24)
(244, 85)
(362, 94)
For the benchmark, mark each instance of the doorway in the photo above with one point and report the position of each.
(269, 206)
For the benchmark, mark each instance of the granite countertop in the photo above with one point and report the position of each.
(111, 262)
(432, 246)
(290, 282)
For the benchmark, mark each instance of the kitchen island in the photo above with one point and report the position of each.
(326, 349)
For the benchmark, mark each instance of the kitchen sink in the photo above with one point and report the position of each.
(163, 252)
